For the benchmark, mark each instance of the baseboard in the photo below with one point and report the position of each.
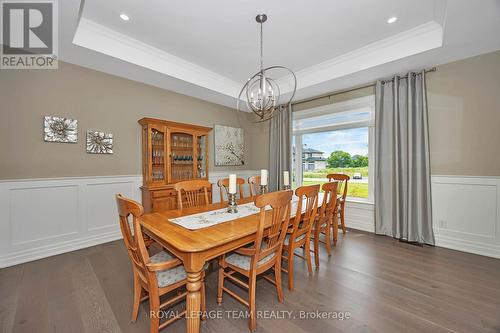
(462, 245)
(32, 254)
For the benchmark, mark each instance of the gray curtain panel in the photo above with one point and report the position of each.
(402, 168)
(280, 150)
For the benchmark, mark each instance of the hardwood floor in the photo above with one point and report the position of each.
(385, 285)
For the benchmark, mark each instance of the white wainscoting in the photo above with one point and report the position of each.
(466, 213)
(45, 217)
(360, 215)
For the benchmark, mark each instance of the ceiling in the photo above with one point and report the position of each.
(207, 49)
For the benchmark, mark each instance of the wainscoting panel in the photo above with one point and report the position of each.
(466, 213)
(45, 217)
(360, 216)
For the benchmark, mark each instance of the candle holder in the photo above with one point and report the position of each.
(286, 187)
(232, 206)
(263, 189)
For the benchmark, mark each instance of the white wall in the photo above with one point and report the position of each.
(466, 213)
(45, 217)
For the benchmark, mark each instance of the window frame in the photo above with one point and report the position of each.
(344, 107)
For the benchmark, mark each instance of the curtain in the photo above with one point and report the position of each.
(280, 150)
(402, 168)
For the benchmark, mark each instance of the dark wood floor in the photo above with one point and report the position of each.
(386, 286)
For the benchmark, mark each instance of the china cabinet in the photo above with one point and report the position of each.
(171, 152)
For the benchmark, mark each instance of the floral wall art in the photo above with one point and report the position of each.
(229, 146)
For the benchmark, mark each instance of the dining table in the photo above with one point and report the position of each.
(196, 246)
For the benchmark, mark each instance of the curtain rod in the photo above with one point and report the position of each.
(338, 92)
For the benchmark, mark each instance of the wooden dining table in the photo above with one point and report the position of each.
(196, 247)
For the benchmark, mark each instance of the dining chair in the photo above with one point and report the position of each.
(342, 191)
(323, 224)
(194, 193)
(263, 255)
(299, 234)
(254, 185)
(223, 185)
(154, 276)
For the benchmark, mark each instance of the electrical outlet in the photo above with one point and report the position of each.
(442, 224)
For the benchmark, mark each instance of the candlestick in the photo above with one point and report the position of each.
(263, 177)
(232, 206)
(286, 178)
(232, 183)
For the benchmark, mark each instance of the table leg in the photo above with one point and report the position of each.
(193, 302)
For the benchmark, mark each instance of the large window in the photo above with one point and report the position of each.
(336, 138)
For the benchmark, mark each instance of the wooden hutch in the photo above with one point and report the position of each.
(171, 152)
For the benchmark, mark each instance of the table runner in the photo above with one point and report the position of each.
(213, 217)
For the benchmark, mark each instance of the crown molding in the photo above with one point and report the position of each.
(97, 37)
(422, 38)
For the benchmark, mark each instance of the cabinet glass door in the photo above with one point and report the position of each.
(182, 156)
(157, 155)
(201, 156)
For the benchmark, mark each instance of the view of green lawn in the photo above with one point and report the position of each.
(348, 171)
(354, 189)
(358, 190)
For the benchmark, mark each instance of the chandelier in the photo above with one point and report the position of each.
(262, 93)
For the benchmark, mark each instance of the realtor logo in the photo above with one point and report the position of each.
(29, 35)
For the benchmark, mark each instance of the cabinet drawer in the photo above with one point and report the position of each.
(163, 193)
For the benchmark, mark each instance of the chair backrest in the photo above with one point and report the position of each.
(254, 184)
(195, 193)
(342, 182)
(224, 187)
(134, 242)
(280, 203)
(307, 208)
(329, 204)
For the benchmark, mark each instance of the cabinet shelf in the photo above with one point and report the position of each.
(162, 141)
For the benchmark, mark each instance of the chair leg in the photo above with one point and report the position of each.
(277, 280)
(221, 280)
(317, 233)
(335, 229)
(154, 312)
(342, 218)
(137, 297)
(327, 238)
(291, 250)
(307, 248)
(252, 323)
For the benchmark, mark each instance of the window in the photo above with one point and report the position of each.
(336, 138)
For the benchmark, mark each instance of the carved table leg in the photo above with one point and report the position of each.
(193, 302)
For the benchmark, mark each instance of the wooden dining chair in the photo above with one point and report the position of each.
(223, 185)
(263, 255)
(323, 224)
(299, 234)
(254, 185)
(154, 276)
(191, 193)
(342, 194)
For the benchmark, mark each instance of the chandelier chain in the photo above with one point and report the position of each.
(261, 48)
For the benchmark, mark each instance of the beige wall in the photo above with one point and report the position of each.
(99, 102)
(464, 117)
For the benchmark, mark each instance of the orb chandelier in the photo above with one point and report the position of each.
(261, 93)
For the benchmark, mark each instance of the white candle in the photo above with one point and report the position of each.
(263, 177)
(286, 178)
(232, 184)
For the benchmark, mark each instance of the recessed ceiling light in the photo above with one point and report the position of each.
(124, 17)
(392, 20)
